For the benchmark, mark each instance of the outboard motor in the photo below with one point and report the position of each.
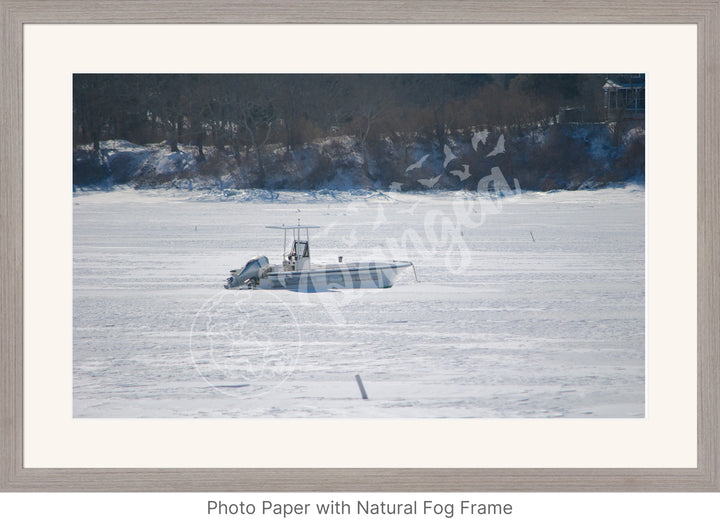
(249, 276)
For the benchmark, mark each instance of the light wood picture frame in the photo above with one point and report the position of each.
(14, 14)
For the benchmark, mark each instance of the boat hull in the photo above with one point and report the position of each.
(348, 276)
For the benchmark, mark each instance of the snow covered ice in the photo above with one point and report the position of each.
(532, 306)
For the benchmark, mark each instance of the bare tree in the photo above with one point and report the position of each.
(92, 107)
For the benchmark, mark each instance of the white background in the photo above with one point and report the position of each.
(589, 511)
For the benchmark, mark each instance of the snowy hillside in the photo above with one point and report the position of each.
(560, 156)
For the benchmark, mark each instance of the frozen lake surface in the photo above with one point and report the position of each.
(532, 306)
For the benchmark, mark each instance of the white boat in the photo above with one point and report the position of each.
(298, 273)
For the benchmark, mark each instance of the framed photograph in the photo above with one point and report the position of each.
(271, 247)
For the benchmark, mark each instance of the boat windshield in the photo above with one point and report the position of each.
(301, 249)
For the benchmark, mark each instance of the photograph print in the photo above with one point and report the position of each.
(359, 245)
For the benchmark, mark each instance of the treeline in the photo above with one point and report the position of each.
(245, 112)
